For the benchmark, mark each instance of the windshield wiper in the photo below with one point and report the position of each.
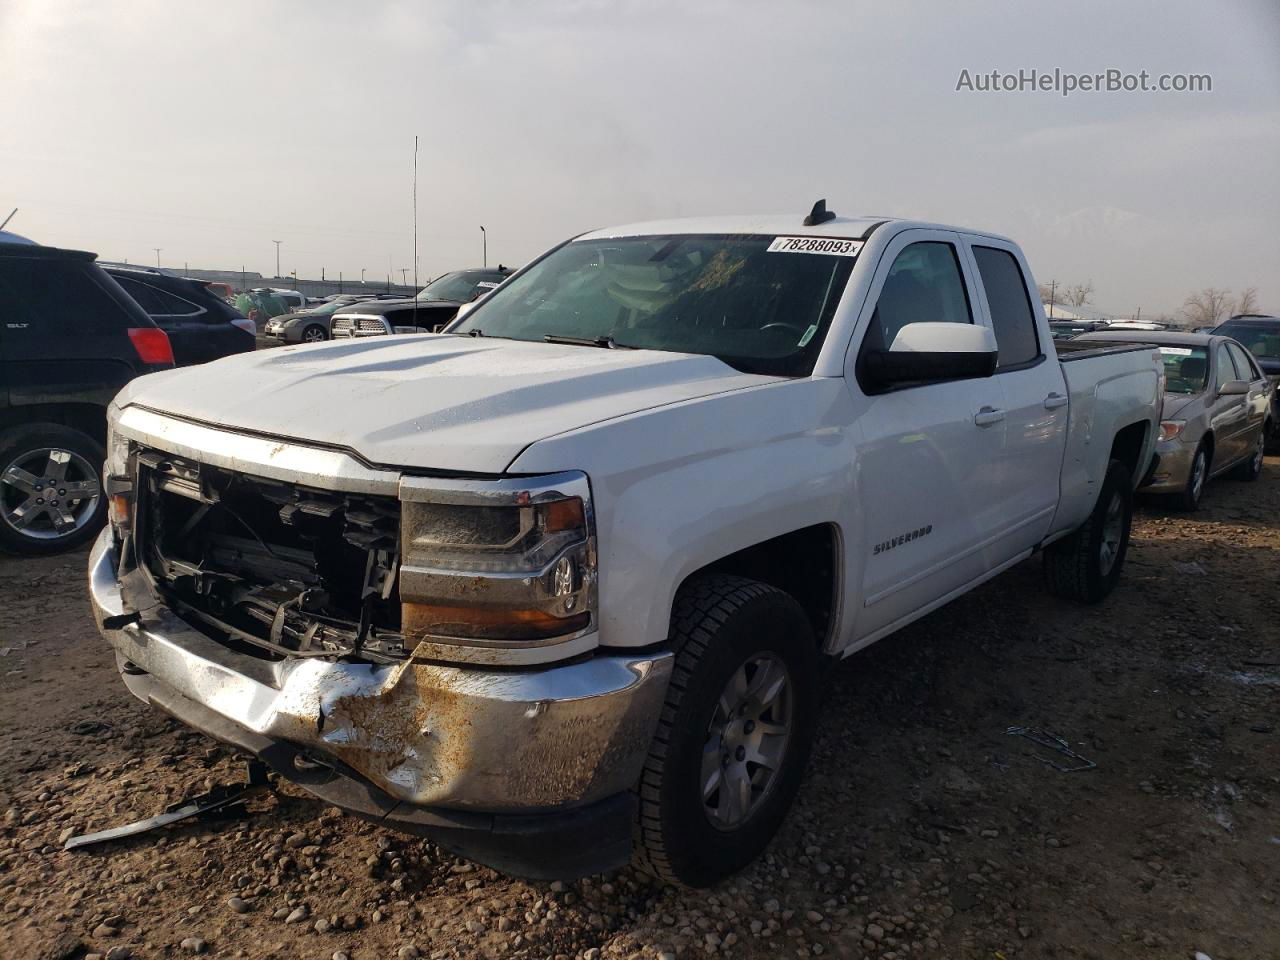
(606, 342)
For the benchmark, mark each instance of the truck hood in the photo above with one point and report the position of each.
(438, 402)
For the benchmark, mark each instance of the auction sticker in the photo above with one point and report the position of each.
(1175, 351)
(828, 245)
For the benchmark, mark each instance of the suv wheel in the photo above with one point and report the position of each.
(1086, 565)
(733, 739)
(50, 493)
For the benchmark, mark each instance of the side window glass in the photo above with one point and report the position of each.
(172, 305)
(1225, 368)
(142, 294)
(1011, 314)
(1244, 363)
(924, 285)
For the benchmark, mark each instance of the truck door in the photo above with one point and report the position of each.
(929, 460)
(1035, 398)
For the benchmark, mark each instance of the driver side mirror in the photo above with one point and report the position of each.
(932, 352)
(1233, 388)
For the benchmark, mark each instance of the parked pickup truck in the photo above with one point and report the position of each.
(565, 574)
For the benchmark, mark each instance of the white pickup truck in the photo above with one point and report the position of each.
(554, 587)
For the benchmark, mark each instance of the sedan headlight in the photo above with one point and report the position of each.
(1170, 429)
(497, 563)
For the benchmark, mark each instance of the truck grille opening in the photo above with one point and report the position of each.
(286, 569)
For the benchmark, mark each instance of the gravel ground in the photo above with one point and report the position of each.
(924, 828)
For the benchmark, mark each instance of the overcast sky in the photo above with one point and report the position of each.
(126, 126)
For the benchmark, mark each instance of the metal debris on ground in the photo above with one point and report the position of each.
(222, 802)
(1051, 741)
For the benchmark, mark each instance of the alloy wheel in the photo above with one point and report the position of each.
(1112, 533)
(48, 493)
(746, 741)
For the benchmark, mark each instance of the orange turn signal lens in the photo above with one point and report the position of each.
(564, 515)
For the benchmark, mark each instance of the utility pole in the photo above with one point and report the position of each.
(339, 281)
(1053, 286)
(404, 276)
(484, 247)
(157, 250)
(277, 243)
(186, 267)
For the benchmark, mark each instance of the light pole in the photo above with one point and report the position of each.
(277, 243)
(484, 246)
(157, 250)
(404, 276)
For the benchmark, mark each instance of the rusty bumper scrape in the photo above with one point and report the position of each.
(426, 734)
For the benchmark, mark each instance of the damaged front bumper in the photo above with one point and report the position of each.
(528, 770)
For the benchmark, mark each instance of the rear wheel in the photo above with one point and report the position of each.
(315, 334)
(1251, 469)
(1086, 565)
(50, 489)
(733, 739)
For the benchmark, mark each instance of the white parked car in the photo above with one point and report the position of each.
(565, 575)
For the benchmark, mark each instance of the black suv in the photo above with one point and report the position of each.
(1261, 336)
(201, 325)
(70, 338)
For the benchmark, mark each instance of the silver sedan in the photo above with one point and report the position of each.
(1216, 411)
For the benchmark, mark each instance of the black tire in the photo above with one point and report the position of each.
(1192, 492)
(1076, 567)
(21, 448)
(722, 625)
(1251, 469)
(314, 333)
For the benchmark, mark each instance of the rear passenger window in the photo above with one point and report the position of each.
(1011, 314)
(1244, 363)
(924, 285)
(157, 302)
(1225, 368)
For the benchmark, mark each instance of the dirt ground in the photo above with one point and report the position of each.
(924, 829)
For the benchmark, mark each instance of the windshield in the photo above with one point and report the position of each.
(1186, 369)
(460, 286)
(1260, 339)
(731, 297)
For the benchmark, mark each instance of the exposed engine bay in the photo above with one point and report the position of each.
(289, 570)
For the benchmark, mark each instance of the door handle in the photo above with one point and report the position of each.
(1054, 400)
(987, 416)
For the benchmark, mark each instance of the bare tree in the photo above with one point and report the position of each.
(1207, 307)
(1248, 302)
(1047, 292)
(1078, 294)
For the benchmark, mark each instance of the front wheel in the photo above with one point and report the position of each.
(734, 734)
(315, 334)
(1189, 498)
(1086, 565)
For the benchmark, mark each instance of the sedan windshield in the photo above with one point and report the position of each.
(462, 286)
(731, 297)
(1260, 339)
(1186, 369)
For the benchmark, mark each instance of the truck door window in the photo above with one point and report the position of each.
(1011, 314)
(924, 285)
(1225, 368)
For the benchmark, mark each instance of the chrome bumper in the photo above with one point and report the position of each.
(427, 734)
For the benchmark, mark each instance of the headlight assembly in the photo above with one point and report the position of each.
(117, 477)
(497, 563)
